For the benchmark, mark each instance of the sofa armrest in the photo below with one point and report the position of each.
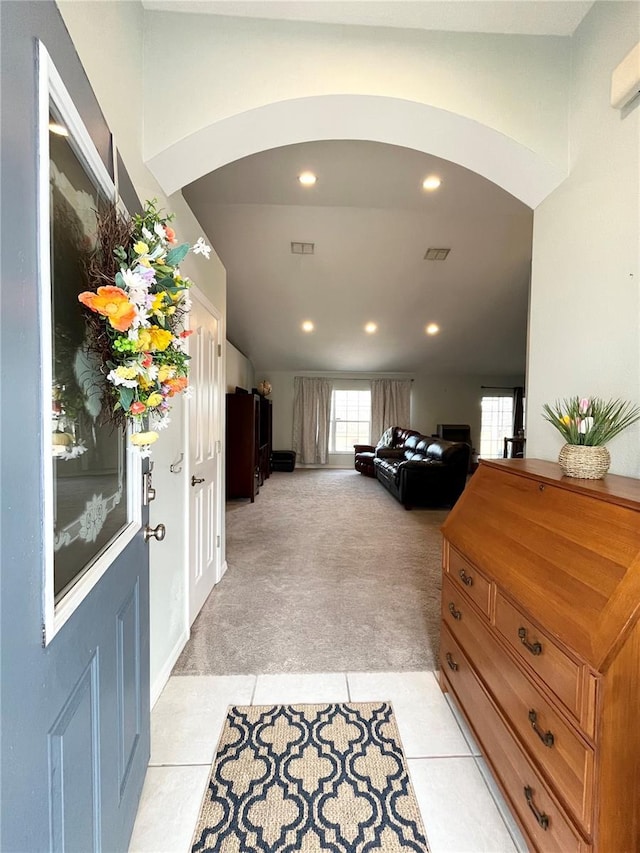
(363, 448)
(389, 453)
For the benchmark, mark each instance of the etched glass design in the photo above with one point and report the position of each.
(89, 464)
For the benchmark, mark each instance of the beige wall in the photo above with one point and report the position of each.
(585, 307)
(240, 372)
(434, 400)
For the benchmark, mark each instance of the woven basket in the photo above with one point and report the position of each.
(586, 463)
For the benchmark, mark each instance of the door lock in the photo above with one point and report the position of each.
(148, 492)
(158, 532)
(195, 480)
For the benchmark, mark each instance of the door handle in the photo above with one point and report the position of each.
(158, 532)
(195, 480)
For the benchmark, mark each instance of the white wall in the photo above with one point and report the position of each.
(240, 372)
(434, 400)
(584, 323)
(109, 40)
(514, 84)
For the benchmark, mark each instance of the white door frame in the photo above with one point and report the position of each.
(221, 564)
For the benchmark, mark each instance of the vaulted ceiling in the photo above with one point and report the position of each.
(371, 224)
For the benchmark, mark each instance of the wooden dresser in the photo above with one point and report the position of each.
(540, 647)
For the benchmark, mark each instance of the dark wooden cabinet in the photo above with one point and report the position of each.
(248, 444)
(243, 425)
(541, 647)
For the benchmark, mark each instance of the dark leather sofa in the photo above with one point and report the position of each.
(421, 470)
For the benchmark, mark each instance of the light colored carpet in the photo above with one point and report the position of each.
(310, 778)
(327, 573)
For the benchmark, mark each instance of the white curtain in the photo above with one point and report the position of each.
(390, 405)
(311, 419)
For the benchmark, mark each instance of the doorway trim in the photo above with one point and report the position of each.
(396, 121)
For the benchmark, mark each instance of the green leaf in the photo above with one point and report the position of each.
(167, 283)
(120, 280)
(126, 397)
(176, 255)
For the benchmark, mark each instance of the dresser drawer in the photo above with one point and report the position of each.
(567, 761)
(539, 651)
(548, 827)
(469, 579)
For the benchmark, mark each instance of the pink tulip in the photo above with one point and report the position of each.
(584, 405)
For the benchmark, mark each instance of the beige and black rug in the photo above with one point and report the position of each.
(326, 778)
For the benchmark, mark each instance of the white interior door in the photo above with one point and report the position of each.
(205, 445)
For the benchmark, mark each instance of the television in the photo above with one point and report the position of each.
(454, 432)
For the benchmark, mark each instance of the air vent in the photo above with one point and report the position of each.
(303, 248)
(436, 254)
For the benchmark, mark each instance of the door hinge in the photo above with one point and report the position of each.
(44, 636)
(217, 541)
(219, 350)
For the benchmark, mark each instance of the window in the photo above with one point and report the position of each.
(496, 425)
(350, 419)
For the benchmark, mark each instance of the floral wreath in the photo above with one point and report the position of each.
(136, 325)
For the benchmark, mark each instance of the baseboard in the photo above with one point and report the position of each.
(223, 569)
(163, 676)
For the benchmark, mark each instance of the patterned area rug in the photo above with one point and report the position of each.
(310, 779)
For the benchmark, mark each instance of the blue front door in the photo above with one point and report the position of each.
(75, 676)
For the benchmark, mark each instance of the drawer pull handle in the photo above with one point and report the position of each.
(467, 580)
(547, 738)
(450, 661)
(455, 613)
(541, 817)
(534, 648)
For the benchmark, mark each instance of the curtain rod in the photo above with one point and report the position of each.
(355, 378)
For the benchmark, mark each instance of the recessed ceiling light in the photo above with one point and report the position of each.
(432, 329)
(307, 326)
(370, 328)
(307, 179)
(431, 183)
(58, 129)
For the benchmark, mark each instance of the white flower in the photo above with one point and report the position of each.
(115, 379)
(162, 422)
(159, 229)
(144, 451)
(132, 334)
(186, 303)
(585, 425)
(201, 248)
(133, 280)
(147, 234)
(188, 392)
(180, 344)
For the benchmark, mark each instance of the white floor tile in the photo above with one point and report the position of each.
(289, 689)
(466, 731)
(458, 811)
(187, 718)
(425, 721)
(168, 810)
(503, 808)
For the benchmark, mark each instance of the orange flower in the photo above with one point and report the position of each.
(176, 385)
(170, 233)
(113, 304)
(137, 408)
(186, 333)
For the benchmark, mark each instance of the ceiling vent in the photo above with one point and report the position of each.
(436, 254)
(303, 248)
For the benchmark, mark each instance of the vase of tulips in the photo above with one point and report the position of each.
(587, 424)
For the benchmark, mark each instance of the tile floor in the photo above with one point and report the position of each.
(461, 807)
